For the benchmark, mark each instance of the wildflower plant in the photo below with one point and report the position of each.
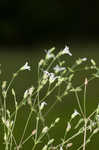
(52, 74)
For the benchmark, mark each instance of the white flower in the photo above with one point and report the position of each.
(5, 137)
(4, 85)
(49, 54)
(68, 127)
(66, 51)
(52, 77)
(50, 141)
(28, 92)
(86, 81)
(57, 68)
(46, 73)
(45, 130)
(34, 132)
(69, 145)
(57, 120)
(8, 123)
(61, 148)
(42, 105)
(81, 60)
(84, 59)
(45, 147)
(26, 67)
(74, 114)
(31, 90)
(93, 62)
(41, 62)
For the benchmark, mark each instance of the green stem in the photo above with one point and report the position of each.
(85, 129)
(36, 129)
(78, 101)
(25, 127)
(26, 139)
(85, 101)
(69, 139)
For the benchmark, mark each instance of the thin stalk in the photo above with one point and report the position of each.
(26, 139)
(85, 101)
(34, 146)
(85, 129)
(18, 107)
(37, 122)
(92, 114)
(25, 127)
(85, 119)
(14, 121)
(69, 139)
(52, 106)
(48, 94)
(4, 113)
(92, 78)
(52, 62)
(88, 140)
(10, 131)
(10, 84)
(78, 101)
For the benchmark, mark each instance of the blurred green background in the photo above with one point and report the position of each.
(12, 60)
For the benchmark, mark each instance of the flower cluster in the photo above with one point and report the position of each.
(50, 76)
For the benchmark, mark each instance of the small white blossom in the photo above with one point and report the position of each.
(45, 147)
(45, 130)
(31, 90)
(34, 132)
(52, 77)
(42, 105)
(26, 94)
(13, 92)
(4, 83)
(61, 148)
(84, 59)
(68, 127)
(80, 60)
(41, 62)
(69, 145)
(26, 67)
(66, 51)
(8, 123)
(49, 54)
(5, 137)
(57, 68)
(50, 141)
(8, 113)
(74, 114)
(86, 81)
(57, 120)
(93, 62)
(46, 73)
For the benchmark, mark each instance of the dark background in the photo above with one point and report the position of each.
(28, 21)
